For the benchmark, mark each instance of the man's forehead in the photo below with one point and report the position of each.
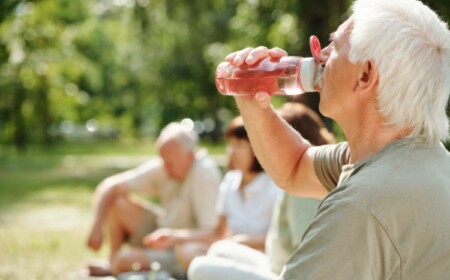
(169, 145)
(343, 31)
(345, 27)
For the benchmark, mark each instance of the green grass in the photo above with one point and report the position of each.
(45, 201)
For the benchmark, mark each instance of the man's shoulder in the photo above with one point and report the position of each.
(206, 168)
(411, 165)
(205, 163)
(401, 177)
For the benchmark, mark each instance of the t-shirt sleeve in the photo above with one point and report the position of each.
(344, 242)
(328, 162)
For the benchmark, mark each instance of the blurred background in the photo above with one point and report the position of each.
(86, 85)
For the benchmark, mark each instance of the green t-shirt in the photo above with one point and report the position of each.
(387, 217)
(291, 216)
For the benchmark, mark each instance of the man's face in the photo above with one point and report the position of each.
(339, 74)
(177, 160)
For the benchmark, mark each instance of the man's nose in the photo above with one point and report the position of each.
(324, 55)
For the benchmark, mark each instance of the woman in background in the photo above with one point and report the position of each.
(292, 215)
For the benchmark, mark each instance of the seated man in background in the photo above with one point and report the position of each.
(183, 180)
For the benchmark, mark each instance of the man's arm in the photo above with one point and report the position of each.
(284, 154)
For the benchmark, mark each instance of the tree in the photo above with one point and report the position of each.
(126, 68)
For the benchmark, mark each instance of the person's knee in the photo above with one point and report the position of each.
(130, 259)
(218, 248)
(186, 252)
(199, 269)
(119, 209)
(120, 203)
(183, 256)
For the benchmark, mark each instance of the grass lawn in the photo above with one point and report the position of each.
(45, 201)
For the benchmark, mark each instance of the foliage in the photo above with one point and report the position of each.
(125, 68)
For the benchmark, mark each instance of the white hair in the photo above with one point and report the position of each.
(182, 134)
(410, 45)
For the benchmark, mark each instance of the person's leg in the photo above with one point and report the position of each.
(241, 253)
(186, 252)
(100, 267)
(209, 267)
(130, 259)
(129, 221)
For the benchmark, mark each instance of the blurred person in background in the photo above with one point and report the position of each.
(185, 182)
(291, 216)
(245, 204)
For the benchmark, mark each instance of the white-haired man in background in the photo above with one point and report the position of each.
(183, 179)
(386, 82)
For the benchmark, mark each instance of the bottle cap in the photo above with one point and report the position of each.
(308, 70)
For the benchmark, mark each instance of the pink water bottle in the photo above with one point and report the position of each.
(289, 75)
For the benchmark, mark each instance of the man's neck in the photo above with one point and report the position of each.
(369, 135)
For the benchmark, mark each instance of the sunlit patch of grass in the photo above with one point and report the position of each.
(43, 236)
(45, 215)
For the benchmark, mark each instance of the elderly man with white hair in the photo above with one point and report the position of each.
(186, 183)
(386, 190)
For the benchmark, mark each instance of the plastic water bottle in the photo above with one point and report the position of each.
(289, 75)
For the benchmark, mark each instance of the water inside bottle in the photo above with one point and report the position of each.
(282, 81)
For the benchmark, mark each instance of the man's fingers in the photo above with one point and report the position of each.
(238, 58)
(249, 55)
(277, 52)
(256, 54)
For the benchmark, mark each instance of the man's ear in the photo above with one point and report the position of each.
(368, 77)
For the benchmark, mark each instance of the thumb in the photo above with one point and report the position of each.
(147, 240)
(263, 99)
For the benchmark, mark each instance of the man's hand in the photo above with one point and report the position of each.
(161, 239)
(250, 56)
(95, 239)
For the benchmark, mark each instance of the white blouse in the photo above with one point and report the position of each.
(248, 210)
